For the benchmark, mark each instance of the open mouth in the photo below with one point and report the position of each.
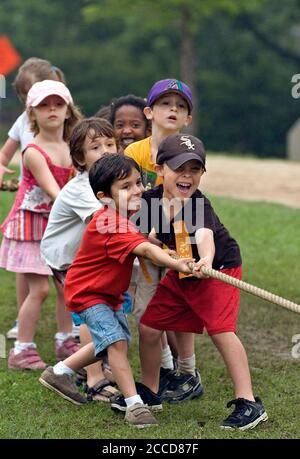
(128, 140)
(172, 118)
(183, 187)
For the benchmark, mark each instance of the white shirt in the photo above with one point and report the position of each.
(20, 131)
(71, 211)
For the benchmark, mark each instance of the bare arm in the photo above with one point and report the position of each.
(161, 258)
(206, 249)
(38, 166)
(7, 152)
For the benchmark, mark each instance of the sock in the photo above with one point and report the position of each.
(60, 337)
(61, 369)
(132, 400)
(167, 358)
(19, 347)
(187, 366)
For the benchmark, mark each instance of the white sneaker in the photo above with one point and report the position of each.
(13, 332)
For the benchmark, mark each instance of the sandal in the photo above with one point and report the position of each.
(102, 391)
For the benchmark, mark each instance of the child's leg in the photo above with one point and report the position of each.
(63, 317)
(30, 309)
(22, 289)
(121, 369)
(150, 355)
(94, 371)
(236, 361)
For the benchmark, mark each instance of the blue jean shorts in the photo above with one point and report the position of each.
(106, 326)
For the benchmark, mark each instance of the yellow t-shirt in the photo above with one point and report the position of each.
(141, 153)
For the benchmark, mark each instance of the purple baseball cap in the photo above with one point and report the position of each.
(162, 87)
(175, 150)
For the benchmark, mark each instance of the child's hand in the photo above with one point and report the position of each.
(4, 170)
(185, 265)
(197, 268)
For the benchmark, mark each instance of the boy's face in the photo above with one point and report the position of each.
(96, 147)
(169, 112)
(127, 193)
(182, 182)
(129, 125)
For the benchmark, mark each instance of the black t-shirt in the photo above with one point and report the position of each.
(196, 213)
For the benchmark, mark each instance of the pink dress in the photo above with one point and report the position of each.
(25, 224)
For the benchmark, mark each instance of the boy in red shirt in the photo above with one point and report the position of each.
(182, 218)
(99, 275)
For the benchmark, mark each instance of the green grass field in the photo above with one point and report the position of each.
(270, 240)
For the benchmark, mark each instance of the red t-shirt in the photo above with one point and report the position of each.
(102, 268)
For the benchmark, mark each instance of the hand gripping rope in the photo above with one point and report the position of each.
(251, 289)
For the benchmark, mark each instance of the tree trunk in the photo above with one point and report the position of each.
(188, 64)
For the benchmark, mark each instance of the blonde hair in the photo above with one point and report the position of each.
(69, 124)
(32, 70)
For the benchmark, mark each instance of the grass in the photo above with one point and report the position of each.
(270, 240)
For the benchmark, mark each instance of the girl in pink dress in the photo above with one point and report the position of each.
(46, 169)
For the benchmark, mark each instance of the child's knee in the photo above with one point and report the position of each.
(148, 334)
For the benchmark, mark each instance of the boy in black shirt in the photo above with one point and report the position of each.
(182, 218)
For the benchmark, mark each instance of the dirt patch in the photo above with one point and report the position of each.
(266, 180)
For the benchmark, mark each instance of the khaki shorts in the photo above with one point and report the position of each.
(144, 290)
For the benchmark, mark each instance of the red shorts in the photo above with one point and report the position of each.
(190, 305)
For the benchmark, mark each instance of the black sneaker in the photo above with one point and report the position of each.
(150, 399)
(165, 376)
(246, 415)
(183, 387)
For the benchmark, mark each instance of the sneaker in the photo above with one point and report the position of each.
(165, 376)
(150, 399)
(29, 359)
(63, 385)
(67, 348)
(13, 332)
(183, 387)
(140, 416)
(246, 414)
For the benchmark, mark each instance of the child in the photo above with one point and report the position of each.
(128, 120)
(46, 168)
(71, 211)
(99, 274)
(31, 71)
(169, 106)
(190, 304)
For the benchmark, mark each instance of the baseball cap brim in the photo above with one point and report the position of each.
(43, 96)
(177, 161)
(171, 91)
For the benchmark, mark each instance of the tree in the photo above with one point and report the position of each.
(184, 16)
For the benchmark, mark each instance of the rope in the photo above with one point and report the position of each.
(251, 289)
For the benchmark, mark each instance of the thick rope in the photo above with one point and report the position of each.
(251, 289)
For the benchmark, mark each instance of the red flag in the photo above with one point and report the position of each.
(9, 58)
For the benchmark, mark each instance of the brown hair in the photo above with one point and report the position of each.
(88, 127)
(69, 124)
(33, 70)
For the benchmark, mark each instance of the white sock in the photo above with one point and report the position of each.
(167, 358)
(19, 347)
(61, 369)
(61, 337)
(187, 366)
(132, 400)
